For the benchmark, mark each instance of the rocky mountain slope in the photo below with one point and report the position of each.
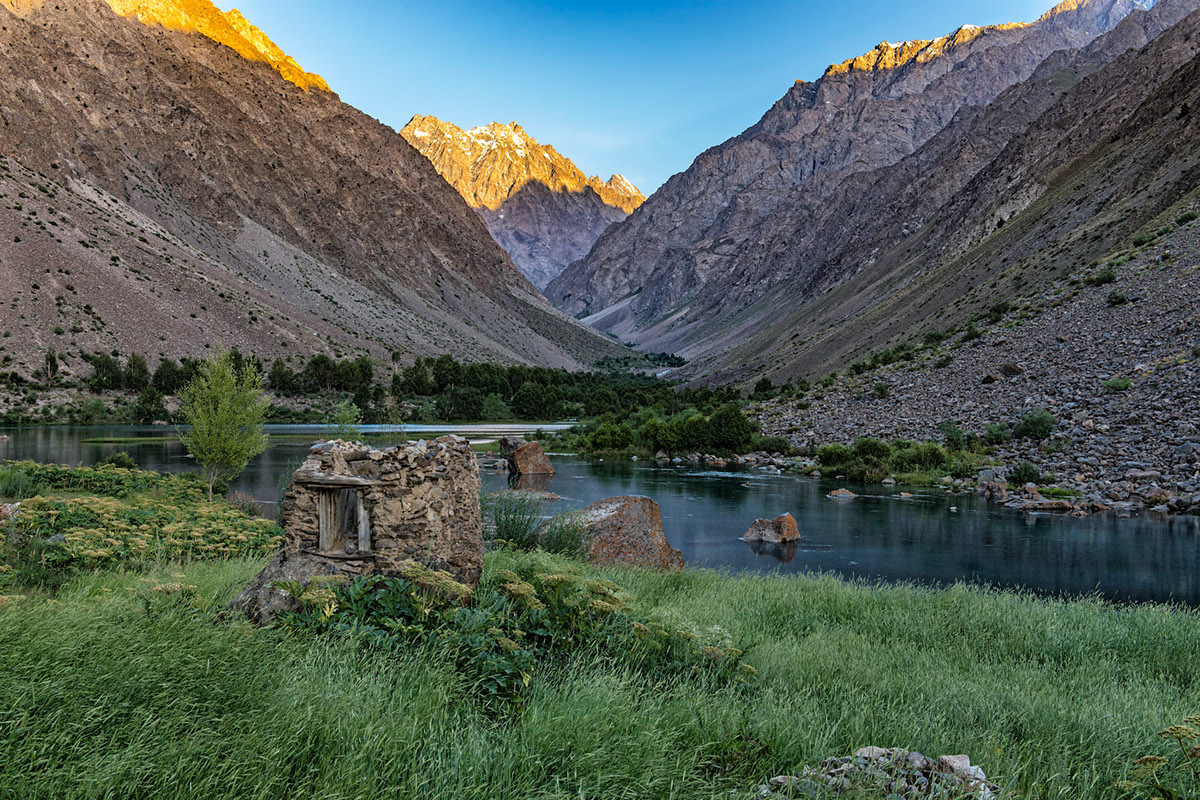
(1116, 361)
(674, 275)
(162, 191)
(1095, 149)
(537, 204)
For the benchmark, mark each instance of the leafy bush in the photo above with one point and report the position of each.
(868, 448)
(998, 310)
(1144, 238)
(1117, 385)
(1116, 298)
(536, 616)
(880, 390)
(1036, 425)
(925, 457)
(1024, 473)
(770, 444)
(996, 433)
(954, 435)
(18, 484)
(610, 437)
(118, 459)
(833, 455)
(1105, 275)
(1184, 219)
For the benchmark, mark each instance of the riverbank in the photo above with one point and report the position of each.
(1052, 699)
(1114, 356)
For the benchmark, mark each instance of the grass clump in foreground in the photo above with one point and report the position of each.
(127, 684)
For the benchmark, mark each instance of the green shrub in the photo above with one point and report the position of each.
(925, 457)
(1117, 385)
(1184, 219)
(1023, 473)
(770, 444)
(1105, 275)
(1144, 238)
(1036, 425)
(1116, 298)
(866, 447)
(833, 455)
(119, 459)
(18, 484)
(996, 433)
(998, 310)
(518, 622)
(609, 437)
(954, 435)
(880, 390)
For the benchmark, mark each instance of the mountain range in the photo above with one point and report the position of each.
(537, 204)
(904, 191)
(170, 181)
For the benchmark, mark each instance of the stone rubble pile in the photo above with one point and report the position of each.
(891, 773)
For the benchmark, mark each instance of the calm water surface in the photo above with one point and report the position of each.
(875, 536)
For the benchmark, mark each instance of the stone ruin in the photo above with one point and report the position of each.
(352, 511)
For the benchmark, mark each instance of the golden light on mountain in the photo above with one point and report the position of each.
(229, 28)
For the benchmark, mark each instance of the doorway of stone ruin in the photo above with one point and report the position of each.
(343, 524)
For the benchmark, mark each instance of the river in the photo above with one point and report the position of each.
(876, 536)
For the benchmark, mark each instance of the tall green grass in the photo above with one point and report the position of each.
(1053, 699)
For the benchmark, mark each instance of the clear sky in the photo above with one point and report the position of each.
(640, 88)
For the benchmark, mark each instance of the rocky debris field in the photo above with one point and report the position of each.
(891, 773)
(1116, 360)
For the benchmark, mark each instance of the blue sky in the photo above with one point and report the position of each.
(639, 88)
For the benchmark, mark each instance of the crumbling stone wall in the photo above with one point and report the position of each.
(352, 510)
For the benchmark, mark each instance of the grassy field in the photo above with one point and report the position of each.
(110, 688)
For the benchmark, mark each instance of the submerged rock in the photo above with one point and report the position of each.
(842, 494)
(781, 529)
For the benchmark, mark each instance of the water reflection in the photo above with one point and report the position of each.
(876, 536)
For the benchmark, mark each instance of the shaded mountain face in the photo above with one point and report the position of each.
(162, 193)
(673, 276)
(1098, 147)
(537, 204)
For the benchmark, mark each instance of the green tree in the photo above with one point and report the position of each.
(494, 408)
(281, 377)
(729, 429)
(106, 373)
(137, 372)
(224, 409)
(168, 377)
(51, 367)
(347, 422)
(149, 406)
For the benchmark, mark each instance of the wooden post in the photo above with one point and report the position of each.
(326, 519)
(364, 525)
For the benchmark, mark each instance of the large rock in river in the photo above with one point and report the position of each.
(529, 459)
(777, 531)
(628, 531)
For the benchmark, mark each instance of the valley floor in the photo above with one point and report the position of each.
(104, 695)
(1117, 362)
